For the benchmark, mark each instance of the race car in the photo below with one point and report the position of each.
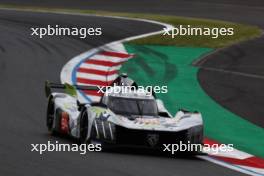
(134, 118)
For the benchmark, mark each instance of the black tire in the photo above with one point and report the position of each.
(199, 135)
(83, 127)
(50, 115)
(195, 136)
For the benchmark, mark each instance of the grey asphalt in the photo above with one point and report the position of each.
(25, 63)
(234, 77)
(244, 11)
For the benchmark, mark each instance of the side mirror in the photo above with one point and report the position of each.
(164, 114)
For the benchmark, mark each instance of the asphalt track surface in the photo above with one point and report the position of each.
(26, 62)
(214, 76)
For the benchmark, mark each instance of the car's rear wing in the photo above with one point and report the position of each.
(69, 89)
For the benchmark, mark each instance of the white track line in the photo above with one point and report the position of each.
(234, 72)
(230, 166)
(108, 58)
(100, 67)
(97, 77)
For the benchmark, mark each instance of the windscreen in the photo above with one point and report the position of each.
(130, 106)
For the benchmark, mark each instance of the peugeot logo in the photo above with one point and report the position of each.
(152, 139)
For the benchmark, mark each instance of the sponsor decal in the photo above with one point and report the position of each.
(152, 139)
(147, 121)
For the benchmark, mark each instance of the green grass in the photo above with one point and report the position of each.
(241, 32)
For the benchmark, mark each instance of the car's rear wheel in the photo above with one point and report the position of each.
(50, 115)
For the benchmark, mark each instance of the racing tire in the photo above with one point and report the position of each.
(195, 136)
(84, 123)
(50, 115)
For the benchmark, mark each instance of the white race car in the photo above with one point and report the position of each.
(123, 119)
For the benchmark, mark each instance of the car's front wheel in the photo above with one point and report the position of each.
(194, 137)
(83, 127)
